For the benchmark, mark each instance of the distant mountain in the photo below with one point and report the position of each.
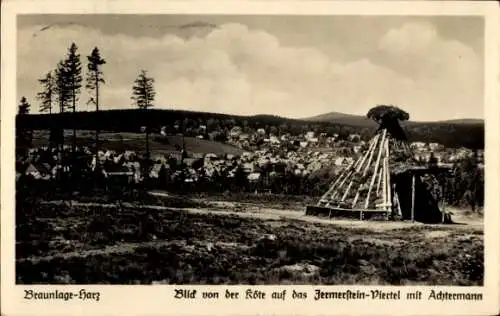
(359, 120)
(464, 121)
(341, 118)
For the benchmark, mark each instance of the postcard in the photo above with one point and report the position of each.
(247, 157)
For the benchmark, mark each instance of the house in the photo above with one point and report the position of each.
(354, 138)
(254, 176)
(303, 144)
(261, 131)
(155, 170)
(244, 137)
(211, 156)
(309, 135)
(274, 140)
(339, 161)
(38, 171)
(435, 146)
(418, 145)
(235, 132)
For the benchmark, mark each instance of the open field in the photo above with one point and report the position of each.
(137, 142)
(235, 243)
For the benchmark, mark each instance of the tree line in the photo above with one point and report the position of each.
(60, 91)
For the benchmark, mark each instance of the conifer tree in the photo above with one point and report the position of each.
(94, 79)
(143, 96)
(46, 96)
(23, 136)
(24, 107)
(73, 78)
(63, 101)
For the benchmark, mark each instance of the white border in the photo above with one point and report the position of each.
(121, 300)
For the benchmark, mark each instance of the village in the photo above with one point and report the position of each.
(266, 156)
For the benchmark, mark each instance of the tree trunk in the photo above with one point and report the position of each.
(97, 118)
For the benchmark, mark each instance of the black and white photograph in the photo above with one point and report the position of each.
(250, 149)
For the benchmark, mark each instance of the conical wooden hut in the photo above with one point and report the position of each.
(385, 182)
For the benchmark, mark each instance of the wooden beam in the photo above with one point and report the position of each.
(344, 174)
(367, 201)
(384, 179)
(379, 180)
(443, 204)
(356, 197)
(413, 198)
(346, 191)
(398, 204)
(388, 174)
(372, 151)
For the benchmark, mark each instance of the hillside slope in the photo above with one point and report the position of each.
(159, 145)
(450, 134)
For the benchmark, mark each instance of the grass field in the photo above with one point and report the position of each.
(137, 142)
(232, 243)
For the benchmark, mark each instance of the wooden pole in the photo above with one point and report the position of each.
(379, 180)
(443, 203)
(344, 174)
(388, 176)
(396, 197)
(413, 198)
(372, 150)
(384, 186)
(346, 191)
(371, 156)
(367, 201)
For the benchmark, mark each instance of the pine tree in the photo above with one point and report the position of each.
(143, 95)
(143, 92)
(61, 89)
(46, 96)
(24, 107)
(23, 136)
(94, 79)
(63, 99)
(73, 76)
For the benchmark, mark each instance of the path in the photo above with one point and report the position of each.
(224, 208)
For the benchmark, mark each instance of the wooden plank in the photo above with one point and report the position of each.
(376, 169)
(413, 198)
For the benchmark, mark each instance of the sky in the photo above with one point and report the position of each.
(292, 66)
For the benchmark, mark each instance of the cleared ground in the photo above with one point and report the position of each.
(213, 242)
(137, 142)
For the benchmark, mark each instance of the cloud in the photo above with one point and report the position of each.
(233, 69)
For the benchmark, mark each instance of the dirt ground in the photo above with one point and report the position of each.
(225, 242)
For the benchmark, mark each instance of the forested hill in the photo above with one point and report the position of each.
(450, 133)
